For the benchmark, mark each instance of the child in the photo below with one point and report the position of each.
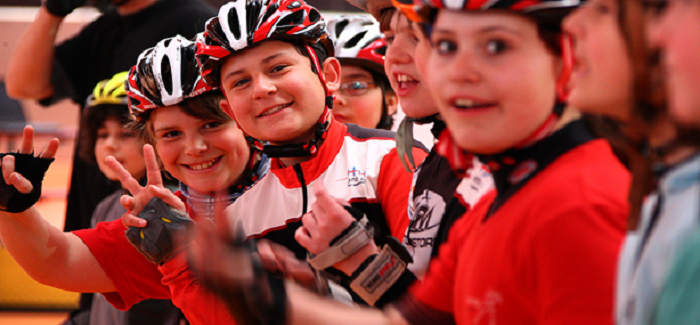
(673, 27)
(196, 142)
(272, 90)
(542, 250)
(433, 203)
(106, 115)
(365, 96)
(669, 215)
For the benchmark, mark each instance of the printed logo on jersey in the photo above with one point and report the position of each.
(522, 171)
(429, 208)
(485, 309)
(356, 177)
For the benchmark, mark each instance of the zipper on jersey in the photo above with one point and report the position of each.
(304, 190)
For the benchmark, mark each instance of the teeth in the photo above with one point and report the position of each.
(464, 102)
(275, 110)
(204, 165)
(404, 78)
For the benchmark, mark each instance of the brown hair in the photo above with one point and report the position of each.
(649, 107)
(92, 119)
(204, 107)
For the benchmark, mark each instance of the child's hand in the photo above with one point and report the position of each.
(22, 173)
(142, 195)
(325, 222)
(278, 259)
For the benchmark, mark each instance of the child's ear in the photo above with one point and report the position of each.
(226, 108)
(331, 72)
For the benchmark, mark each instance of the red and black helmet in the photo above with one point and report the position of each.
(164, 75)
(242, 23)
(547, 11)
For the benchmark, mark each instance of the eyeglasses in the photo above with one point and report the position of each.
(356, 88)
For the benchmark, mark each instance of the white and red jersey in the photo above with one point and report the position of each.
(355, 164)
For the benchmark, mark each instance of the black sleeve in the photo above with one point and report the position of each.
(398, 290)
(418, 313)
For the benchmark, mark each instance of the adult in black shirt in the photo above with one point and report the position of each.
(40, 70)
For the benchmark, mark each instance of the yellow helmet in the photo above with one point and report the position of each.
(109, 91)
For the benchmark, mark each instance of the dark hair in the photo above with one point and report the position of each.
(648, 108)
(206, 106)
(92, 119)
(386, 121)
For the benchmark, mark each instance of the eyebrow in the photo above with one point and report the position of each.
(165, 128)
(264, 61)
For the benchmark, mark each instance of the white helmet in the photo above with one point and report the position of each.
(358, 41)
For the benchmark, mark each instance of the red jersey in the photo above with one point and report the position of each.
(546, 255)
(136, 278)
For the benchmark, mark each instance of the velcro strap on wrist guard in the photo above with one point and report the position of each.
(167, 232)
(372, 280)
(357, 235)
(33, 169)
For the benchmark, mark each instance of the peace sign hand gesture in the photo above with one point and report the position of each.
(142, 195)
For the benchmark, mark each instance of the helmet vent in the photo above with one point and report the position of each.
(233, 23)
(314, 16)
(339, 27)
(354, 40)
(294, 5)
(292, 20)
(166, 74)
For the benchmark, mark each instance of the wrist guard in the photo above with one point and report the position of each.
(356, 236)
(379, 272)
(167, 233)
(33, 169)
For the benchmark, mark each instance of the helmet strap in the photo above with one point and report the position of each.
(562, 85)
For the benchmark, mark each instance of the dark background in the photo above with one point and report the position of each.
(335, 5)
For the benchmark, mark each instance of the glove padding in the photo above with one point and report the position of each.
(61, 8)
(253, 295)
(33, 169)
(167, 233)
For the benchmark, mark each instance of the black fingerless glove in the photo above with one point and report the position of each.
(61, 8)
(167, 233)
(260, 298)
(33, 169)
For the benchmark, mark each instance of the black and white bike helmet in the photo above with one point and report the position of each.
(164, 75)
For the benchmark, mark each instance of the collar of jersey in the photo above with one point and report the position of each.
(513, 168)
(314, 167)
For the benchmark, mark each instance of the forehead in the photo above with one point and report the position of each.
(258, 54)
(350, 70)
(399, 23)
(169, 116)
(464, 22)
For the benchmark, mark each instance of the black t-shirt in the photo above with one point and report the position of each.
(112, 44)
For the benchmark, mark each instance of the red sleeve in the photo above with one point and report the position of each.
(574, 283)
(393, 186)
(199, 305)
(135, 277)
(437, 288)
